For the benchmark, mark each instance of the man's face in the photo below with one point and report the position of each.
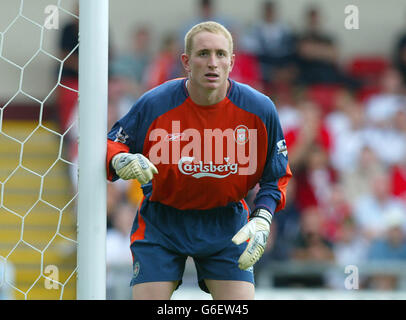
(210, 60)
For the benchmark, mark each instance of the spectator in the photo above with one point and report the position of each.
(115, 195)
(246, 68)
(381, 111)
(358, 180)
(306, 129)
(66, 96)
(381, 108)
(118, 257)
(67, 91)
(346, 124)
(131, 67)
(272, 42)
(317, 55)
(309, 146)
(68, 46)
(399, 121)
(317, 179)
(289, 114)
(166, 65)
(350, 248)
(120, 99)
(336, 210)
(370, 209)
(400, 56)
(391, 247)
(206, 11)
(116, 98)
(311, 246)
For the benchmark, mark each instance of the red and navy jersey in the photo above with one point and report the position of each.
(207, 156)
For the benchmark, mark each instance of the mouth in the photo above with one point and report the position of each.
(212, 76)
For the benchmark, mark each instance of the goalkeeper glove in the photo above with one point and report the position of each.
(133, 166)
(257, 230)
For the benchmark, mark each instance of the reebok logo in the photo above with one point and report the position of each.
(174, 136)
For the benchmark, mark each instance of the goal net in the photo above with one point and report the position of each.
(38, 148)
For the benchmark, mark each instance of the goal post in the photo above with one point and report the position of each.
(92, 185)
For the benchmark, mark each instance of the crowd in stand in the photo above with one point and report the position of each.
(345, 128)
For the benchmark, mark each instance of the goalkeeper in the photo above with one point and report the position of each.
(197, 145)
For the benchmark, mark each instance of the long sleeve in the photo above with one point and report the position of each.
(277, 173)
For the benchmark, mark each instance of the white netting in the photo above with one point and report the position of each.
(37, 201)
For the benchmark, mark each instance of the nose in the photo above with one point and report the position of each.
(212, 63)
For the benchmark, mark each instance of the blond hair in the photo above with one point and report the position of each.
(208, 26)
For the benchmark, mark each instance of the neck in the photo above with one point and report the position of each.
(205, 97)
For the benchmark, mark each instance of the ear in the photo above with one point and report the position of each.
(185, 62)
(232, 62)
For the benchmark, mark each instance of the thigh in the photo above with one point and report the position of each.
(153, 261)
(230, 290)
(154, 290)
(222, 262)
(223, 266)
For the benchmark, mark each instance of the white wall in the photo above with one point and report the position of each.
(380, 23)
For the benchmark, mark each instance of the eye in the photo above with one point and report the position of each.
(202, 53)
(221, 54)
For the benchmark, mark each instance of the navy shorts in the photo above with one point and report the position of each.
(162, 238)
